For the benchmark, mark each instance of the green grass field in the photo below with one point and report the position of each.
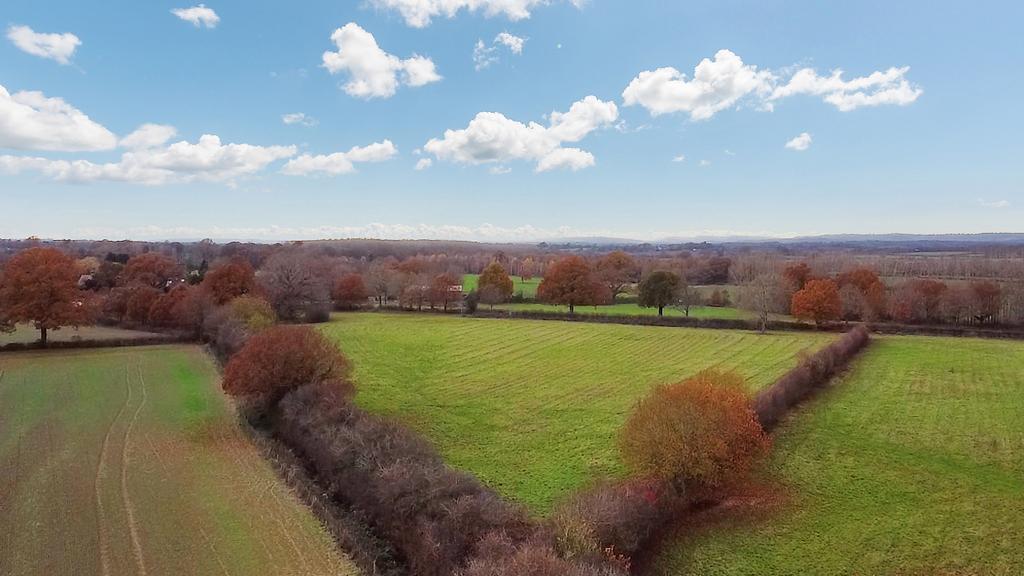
(25, 333)
(912, 464)
(532, 407)
(129, 461)
(528, 288)
(629, 310)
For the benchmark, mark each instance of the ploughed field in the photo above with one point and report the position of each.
(130, 461)
(913, 463)
(533, 407)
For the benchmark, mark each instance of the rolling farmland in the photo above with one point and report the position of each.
(129, 461)
(532, 407)
(725, 313)
(911, 464)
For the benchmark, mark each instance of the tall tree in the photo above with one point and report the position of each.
(819, 301)
(570, 282)
(350, 292)
(686, 297)
(494, 284)
(764, 295)
(798, 274)
(616, 270)
(40, 285)
(444, 289)
(293, 287)
(659, 289)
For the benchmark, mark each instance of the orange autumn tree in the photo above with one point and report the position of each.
(699, 435)
(818, 300)
(229, 280)
(494, 284)
(570, 282)
(151, 269)
(40, 286)
(350, 292)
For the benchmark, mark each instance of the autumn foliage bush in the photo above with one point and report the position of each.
(280, 359)
(818, 301)
(699, 435)
(814, 371)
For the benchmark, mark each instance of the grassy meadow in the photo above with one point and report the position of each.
(130, 461)
(532, 407)
(630, 310)
(913, 463)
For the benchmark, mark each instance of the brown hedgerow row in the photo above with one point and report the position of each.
(440, 520)
(815, 371)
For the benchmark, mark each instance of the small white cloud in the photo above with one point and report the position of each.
(299, 118)
(373, 73)
(57, 47)
(198, 15)
(31, 121)
(704, 163)
(729, 152)
(499, 170)
(679, 158)
(492, 138)
(339, 162)
(419, 13)
(424, 163)
(148, 136)
(875, 89)
(484, 55)
(512, 42)
(800, 143)
(994, 203)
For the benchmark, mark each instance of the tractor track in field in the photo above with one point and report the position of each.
(133, 527)
(102, 530)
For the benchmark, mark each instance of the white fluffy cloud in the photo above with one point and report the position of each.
(726, 81)
(339, 162)
(484, 55)
(373, 73)
(876, 89)
(299, 118)
(492, 138)
(31, 121)
(198, 15)
(716, 85)
(679, 158)
(206, 160)
(59, 47)
(800, 143)
(424, 163)
(148, 136)
(419, 13)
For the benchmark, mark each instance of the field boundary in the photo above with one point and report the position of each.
(1000, 333)
(111, 343)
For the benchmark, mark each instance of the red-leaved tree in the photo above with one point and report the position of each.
(229, 280)
(570, 282)
(280, 359)
(40, 285)
(350, 292)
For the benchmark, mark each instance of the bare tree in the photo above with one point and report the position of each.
(293, 287)
(764, 295)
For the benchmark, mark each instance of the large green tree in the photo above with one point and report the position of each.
(659, 289)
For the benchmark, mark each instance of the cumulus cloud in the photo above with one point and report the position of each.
(31, 121)
(679, 158)
(339, 162)
(424, 163)
(493, 138)
(148, 136)
(726, 82)
(484, 55)
(58, 47)
(876, 89)
(299, 118)
(800, 143)
(198, 15)
(716, 85)
(206, 160)
(374, 73)
(419, 13)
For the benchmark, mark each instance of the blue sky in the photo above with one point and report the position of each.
(935, 148)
